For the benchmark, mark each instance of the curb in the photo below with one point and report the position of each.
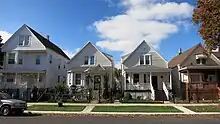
(59, 113)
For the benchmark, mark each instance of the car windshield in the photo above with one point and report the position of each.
(5, 96)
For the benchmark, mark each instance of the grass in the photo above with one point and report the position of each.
(55, 108)
(135, 109)
(211, 108)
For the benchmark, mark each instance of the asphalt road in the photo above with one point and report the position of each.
(107, 120)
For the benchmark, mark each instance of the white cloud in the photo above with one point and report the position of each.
(70, 53)
(5, 35)
(143, 20)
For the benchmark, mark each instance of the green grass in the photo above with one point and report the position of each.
(135, 109)
(55, 108)
(204, 108)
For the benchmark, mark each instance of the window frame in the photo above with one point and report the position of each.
(25, 41)
(20, 58)
(86, 60)
(144, 57)
(90, 58)
(10, 60)
(38, 58)
(78, 79)
(135, 82)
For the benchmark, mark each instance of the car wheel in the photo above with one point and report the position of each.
(5, 110)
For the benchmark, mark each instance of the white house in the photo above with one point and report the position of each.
(90, 68)
(31, 60)
(145, 73)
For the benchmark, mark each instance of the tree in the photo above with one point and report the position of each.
(117, 74)
(207, 15)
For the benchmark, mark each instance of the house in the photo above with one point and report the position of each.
(145, 74)
(31, 60)
(195, 74)
(91, 69)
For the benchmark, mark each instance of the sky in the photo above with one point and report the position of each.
(114, 26)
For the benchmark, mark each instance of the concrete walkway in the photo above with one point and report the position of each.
(183, 109)
(88, 109)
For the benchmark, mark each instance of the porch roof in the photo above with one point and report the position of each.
(147, 68)
(21, 71)
(202, 67)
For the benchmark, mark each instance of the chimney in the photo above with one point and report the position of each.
(1, 39)
(180, 51)
(48, 37)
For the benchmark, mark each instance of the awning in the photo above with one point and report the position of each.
(147, 68)
(203, 67)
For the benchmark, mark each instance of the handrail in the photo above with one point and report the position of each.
(165, 90)
(152, 92)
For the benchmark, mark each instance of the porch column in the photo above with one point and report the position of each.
(125, 83)
(16, 76)
(38, 78)
(187, 86)
(170, 80)
(151, 78)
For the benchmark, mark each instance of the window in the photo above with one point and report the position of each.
(142, 60)
(195, 78)
(10, 77)
(27, 40)
(21, 40)
(20, 60)
(136, 79)
(86, 61)
(147, 59)
(145, 80)
(64, 66)
(58, 78)
(24, 40)
(92, 60)
(37, 60)
(59, 63)
(40, 77)
(203, 61)
(50, 61)
(200, 61)
(11, 58)
(78, 79)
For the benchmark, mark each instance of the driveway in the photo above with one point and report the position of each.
(106, 120)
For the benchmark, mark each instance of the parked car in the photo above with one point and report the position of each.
(9, 105)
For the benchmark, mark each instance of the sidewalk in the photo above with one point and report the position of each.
(89, 107)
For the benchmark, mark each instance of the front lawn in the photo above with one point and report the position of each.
(135, 109)
(55, 108)
(212, 108)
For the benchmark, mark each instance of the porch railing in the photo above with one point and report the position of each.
(152, 91)
(138, 86)
(165, 90)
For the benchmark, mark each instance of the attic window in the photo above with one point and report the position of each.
(201, 61)
(24, 40)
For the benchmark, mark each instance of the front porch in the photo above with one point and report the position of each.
(154, 85)
(20, 83)
(96, 79)
(201, 83)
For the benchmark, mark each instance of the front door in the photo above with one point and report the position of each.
(97, 82)
(154, 82)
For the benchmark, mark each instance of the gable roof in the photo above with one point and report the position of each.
(179, 59)
(130, 54)
(47, 43)
(107, 56)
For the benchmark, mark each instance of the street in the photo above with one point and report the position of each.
(107, 120)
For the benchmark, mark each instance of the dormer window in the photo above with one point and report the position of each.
(201, 61)
(145, 59)
(24, 40)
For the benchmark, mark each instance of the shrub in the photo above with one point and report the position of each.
(127, 96)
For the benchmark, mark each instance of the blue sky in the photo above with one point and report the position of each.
(115, 26)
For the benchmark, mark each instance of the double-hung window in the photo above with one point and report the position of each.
(89, 60)
(92, 60)
(38, 60)
(11, 58)
(145, 60)
(24, 40)
(78, 79)
(20, 60)
(136, 79)
(86, 61)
